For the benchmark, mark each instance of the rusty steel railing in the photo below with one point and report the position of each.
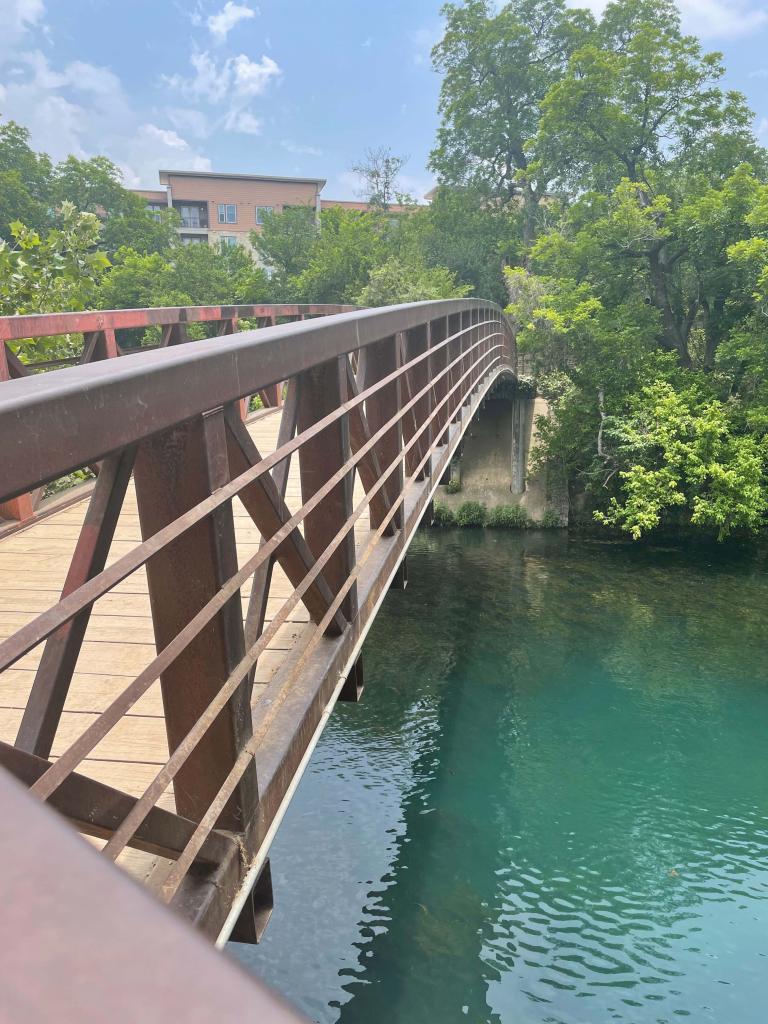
(376, 398)
(103, 331)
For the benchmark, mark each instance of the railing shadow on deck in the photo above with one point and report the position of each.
(382, 396)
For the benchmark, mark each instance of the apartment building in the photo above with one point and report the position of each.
(225, 208)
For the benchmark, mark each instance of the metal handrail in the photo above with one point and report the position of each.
(378, 394)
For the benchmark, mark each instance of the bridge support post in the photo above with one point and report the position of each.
(455, 322)
(400, 579)
(438, 361)
(255, 915)
(321, 391)
(354, 684)
(416, 343)
(382, 359)
(174, 471)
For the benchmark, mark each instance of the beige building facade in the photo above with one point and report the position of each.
(225, 208)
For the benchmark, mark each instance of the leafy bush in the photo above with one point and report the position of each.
(442, 516)
(471, 514)
(453, 486)
(550, 520)
(508, 517)
(64, 483)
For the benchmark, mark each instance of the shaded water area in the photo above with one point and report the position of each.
(551, 806)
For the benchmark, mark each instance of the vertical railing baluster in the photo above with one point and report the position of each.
(415, 344)
(382, 359)
(174, 471)
(438, 360)
(454, 350)
(320, 391)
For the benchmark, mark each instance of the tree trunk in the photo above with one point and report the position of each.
(672, 338)
(713, 330)
(530, 209)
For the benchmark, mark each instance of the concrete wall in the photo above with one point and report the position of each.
(495, 462)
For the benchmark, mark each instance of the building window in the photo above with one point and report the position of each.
(193, 239)
(155, 210)
(193, 215)
(262, 212)
(227, 213)
(228, 240)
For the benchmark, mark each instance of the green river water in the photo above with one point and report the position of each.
(551, 806)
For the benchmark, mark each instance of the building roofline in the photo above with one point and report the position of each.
(321, 182)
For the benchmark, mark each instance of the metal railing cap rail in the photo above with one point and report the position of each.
(55, 422)
(45, 325)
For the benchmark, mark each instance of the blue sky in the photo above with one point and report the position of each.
(290, 87)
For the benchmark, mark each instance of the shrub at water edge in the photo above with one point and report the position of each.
(508, 517)
(471, 514)
(442, 516)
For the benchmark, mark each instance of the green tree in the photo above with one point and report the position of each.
(394, 282)
(93, 185)
(188, 275)
(96, 185)
(25, 182)
(637, 98)
(681, 452)
(285, 245)
(50, 273)
(379, 170)
(135, 226)
(498, 66)
(348, 247)
(459, 230)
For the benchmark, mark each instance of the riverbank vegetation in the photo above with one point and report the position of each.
(595, 176)
(475, 515)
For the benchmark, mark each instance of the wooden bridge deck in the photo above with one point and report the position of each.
(119, 642)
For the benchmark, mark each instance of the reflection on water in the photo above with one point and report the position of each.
(552, 805)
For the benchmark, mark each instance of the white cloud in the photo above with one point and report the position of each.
(17, 17)
(214, 80)
(221, 24)
(762, 129)
(190, 121)
(233, 82)
(251, 77)
(759, 73)
(242, 121)
(300, 150)
(707, 18)
(152, 148)
(79, 107)
(209, 82)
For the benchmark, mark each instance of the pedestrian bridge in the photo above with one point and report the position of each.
(177, 630)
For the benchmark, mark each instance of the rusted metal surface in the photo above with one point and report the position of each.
(393, 424)
(100, 341)
(82, 943)
(174, 471)
(44, 325)
(321, 390)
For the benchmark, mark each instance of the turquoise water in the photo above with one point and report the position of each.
(551, 806)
